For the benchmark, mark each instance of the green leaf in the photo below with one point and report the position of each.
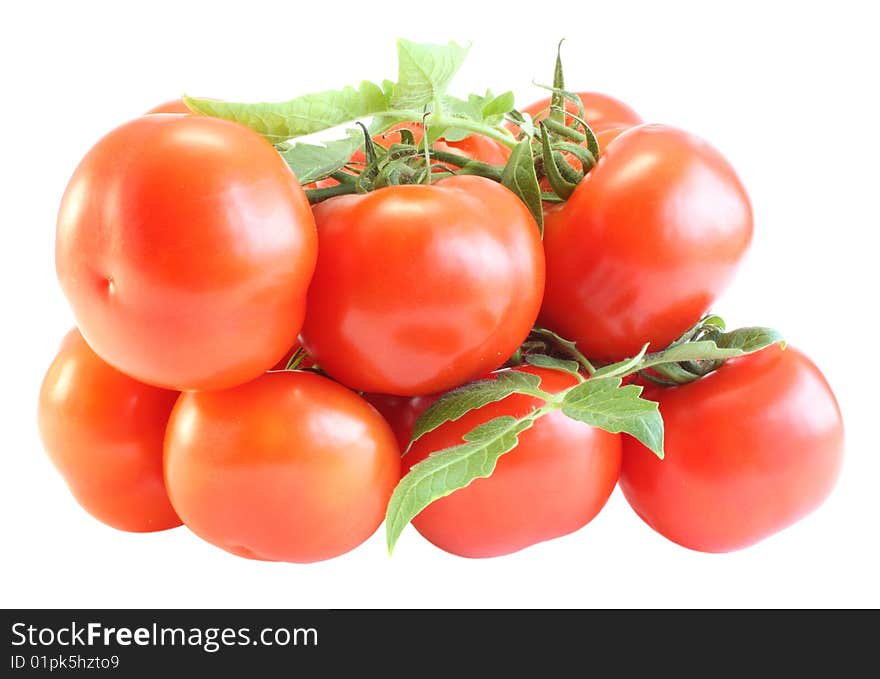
(749, 340)
(456, 403)
(311, 162)
(494, 110)
(623, 367)
(297, 117)
(519, 176)
(544, 361)
(727, 345)
(450, 469)
(424, 72)
(605, 404)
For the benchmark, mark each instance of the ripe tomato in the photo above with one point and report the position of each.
(103, 431)
(171, 106)
(288, 467)
(645, 244)
(185, 246)
(553, 483)
(401, 412)
(601, 111)
(750, 449)
(422, 288)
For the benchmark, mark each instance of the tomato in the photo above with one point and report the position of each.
(401, 412)
(553, 483)
(601, 111)
(103, 431)
(647, 241)
(185, 246)
(750, 449)
(422, 288)
(288, 467)
(172, 106)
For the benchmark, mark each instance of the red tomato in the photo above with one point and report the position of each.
(553, 483)
(172, 106)
(288, 467)
(601, 111)
(185, 246)
(750, 449)
(103, 431)
(422, 288)
(645, 244)
(401, 412)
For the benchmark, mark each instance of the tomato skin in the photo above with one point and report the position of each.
(750, 449)
(185, 247)
(647, 241)
(288, 467)
(601, 111)
(103, 431)
(170, 106)
(553, 483)
(422, 288)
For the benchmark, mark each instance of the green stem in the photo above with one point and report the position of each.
(501, 135)
(317, 195)
(567, 347)
(469, 165)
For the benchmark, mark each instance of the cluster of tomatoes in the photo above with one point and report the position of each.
(252, 366)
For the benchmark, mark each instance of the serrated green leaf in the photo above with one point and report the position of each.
(309, 113)
(520, 177)
(456, 403)
(544, 361)
(450, 469)
(605, 404)
(311, 162)
(424, 72)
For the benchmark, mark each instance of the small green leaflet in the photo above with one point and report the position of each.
(311, 162)
(449, 469)
(543, 361)
(604, 403)
(519, 176)
(309, 113)
(621, 367)
(728, 345)
(424, 72)
(456, 403)
(487, 109)
(749, 340)
(493, 111)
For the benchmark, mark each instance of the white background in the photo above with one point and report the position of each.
(786, 91)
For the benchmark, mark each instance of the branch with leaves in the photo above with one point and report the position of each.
(602, 400)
